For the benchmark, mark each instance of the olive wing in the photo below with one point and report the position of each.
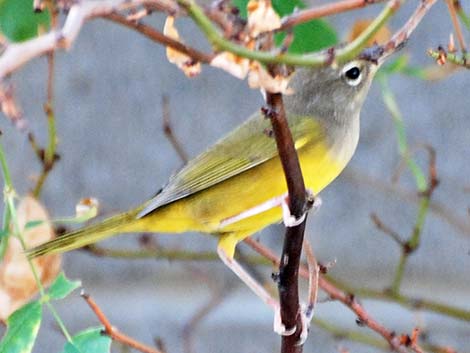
(244, 148)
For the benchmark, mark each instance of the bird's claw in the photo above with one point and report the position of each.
(306, 314)
(313, 203)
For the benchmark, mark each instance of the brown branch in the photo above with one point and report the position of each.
(16, 55)
(168, 131)
(324, 10)
(347, 299)
(292, 248)
(456, 24)
(159, 37)
(386, 229)
(112, 332)
(402, 35)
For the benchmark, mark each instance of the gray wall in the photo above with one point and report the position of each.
(112, 146)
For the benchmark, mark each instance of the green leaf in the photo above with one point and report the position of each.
(62, 287)
(19, 22)
(286, 7)
(310, 36)
(282, 7)
(23, 326)
(241, 5)
(89, 341)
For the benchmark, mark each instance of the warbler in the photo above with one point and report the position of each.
(237, 186)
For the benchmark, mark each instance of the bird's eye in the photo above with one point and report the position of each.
(352, 73)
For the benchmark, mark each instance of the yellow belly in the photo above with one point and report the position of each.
(204, 211)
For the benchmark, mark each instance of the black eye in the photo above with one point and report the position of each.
(353, 73)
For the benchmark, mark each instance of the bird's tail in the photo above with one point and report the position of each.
(121, 223)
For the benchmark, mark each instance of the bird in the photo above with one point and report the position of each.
(237, 186)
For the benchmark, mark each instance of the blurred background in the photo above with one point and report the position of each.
(112, 146)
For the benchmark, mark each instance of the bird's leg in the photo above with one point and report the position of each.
(283, 202)
(258, 289)
(307, 310)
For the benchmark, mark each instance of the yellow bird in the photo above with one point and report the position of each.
(237, 187)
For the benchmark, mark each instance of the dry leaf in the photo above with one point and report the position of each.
(187, 64)
(262, 17)
(258, 77)
(382, 36)
(17, 284)
(231, 63)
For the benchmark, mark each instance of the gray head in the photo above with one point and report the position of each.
(335, 93)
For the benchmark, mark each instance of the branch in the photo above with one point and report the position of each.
(456, 24)
(343, 54)
(289, 267)
(461, 13)
(414, 240)
(159, 37)
(405, 301)
(182, 255)
(336, 294)
(324, 10)
(112, 332)
(17, 54)
(400, 37)
(442, 56)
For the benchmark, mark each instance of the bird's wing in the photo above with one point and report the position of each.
(244, 148)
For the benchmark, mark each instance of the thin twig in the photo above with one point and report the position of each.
(112, 332)
(324, 11)
(16, 55)
(48, 156)
(159, 37)
(385, 229)
(402, 35)
(182, 255)
(440, 210)
(218, 294)
(168, 131)
(414, 240)
(456, 24)
(336, 294)
(442, 56)
(463, 16)
(340, 55)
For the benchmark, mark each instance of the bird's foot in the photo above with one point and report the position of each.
(306, 314)
(313, 203)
